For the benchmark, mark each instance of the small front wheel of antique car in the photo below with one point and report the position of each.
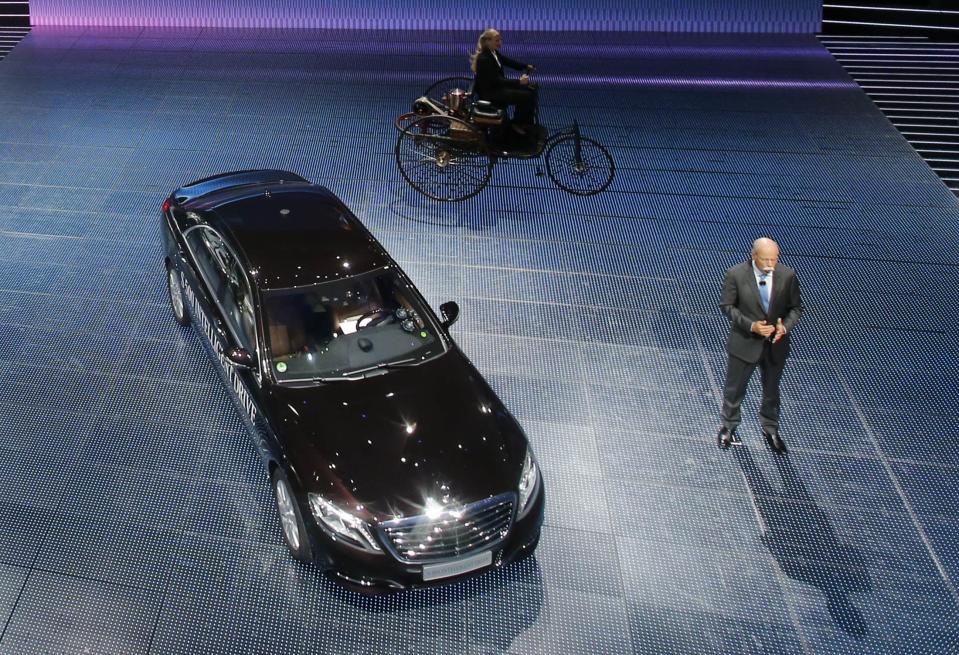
(294, 530)
(579, 165)
(444, 158)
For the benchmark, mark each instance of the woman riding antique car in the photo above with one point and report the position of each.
(491, 84)
(459, 127)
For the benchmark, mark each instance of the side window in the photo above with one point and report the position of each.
(237, 301)
(226, 282)
(202, 244)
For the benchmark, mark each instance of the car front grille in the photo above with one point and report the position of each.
(477, 526)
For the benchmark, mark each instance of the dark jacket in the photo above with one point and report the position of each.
(489, 75)
(741, 304)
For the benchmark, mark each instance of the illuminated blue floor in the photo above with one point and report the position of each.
(134, 516)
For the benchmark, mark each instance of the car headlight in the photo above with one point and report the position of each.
(340, 524)
(528, 481)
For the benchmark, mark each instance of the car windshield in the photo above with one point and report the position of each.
(348, 326)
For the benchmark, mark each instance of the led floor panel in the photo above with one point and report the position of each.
(135, 517)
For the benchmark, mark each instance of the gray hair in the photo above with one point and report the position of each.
(763, 241)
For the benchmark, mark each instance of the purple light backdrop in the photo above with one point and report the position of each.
(802, 16)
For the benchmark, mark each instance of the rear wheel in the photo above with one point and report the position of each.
(177, 299)
(443, 158)
(579, 165)
(294, 530)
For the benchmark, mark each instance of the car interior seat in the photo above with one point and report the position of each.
(287, 332)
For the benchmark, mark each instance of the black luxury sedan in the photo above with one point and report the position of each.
(392, 461)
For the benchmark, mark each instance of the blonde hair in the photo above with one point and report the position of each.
(482, 44)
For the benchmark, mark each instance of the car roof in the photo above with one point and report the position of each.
(292, 234)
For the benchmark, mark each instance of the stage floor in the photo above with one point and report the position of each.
(135, 517)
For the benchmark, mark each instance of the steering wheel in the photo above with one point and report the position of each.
(375, 316)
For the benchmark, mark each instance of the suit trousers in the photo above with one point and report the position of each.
(524, 99)
(738, 372)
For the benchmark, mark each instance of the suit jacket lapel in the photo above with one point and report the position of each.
(779, 286)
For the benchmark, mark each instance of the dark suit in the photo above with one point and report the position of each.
(742, 305)
(492, 84)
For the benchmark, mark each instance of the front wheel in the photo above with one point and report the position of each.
(582, 170)
(177, 298)
(294, 530)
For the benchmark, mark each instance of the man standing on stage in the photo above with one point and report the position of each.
(762, 302)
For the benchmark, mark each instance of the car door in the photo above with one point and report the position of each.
(222, 300)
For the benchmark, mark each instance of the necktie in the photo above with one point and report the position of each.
(764, 291)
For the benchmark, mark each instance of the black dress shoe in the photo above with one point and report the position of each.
(724, 439)
(775, 441)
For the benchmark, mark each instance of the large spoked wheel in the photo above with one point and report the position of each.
(294, 531)
(579, 165)
(443, 158)
(177, 299)
(439, 90)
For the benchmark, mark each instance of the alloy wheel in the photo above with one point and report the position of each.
(287, 510)
(176, 295)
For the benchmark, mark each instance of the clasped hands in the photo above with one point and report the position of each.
(765, 330)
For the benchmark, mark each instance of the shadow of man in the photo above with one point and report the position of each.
(799, 535)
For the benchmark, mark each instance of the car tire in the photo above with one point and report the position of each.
(295, 536)
(177, 298)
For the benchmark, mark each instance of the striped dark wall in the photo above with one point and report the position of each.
(14, 13)
(14, 24)
(933, 18)
(592, 15)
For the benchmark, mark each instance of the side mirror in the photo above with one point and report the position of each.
(239, 357)
(450, 311)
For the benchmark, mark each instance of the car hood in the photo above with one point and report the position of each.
(392, 441)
